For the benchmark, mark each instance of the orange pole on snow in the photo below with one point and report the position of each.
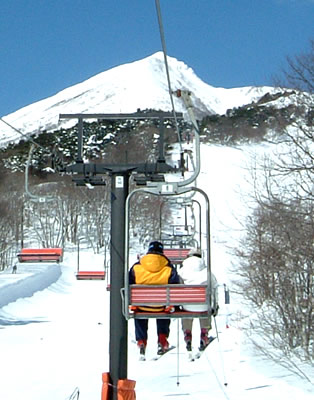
(125, 388)
(105, 386)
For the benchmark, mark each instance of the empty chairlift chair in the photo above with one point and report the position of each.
(40, 255)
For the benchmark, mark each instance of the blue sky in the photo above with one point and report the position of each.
(48, 45)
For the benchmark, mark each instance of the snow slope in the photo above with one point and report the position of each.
(57, 339)
(29, 279)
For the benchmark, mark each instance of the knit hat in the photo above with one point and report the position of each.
(195, 252)
(156, 247)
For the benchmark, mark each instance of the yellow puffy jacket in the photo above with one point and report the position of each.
(153, 269)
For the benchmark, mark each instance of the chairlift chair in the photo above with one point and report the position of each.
(172, 296)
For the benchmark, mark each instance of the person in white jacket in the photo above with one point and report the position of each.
(194, 272)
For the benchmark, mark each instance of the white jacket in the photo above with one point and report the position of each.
(194, 272)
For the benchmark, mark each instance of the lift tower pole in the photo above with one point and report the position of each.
(86, 174)
(118, 345)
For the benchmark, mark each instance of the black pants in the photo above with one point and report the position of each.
(141, 327)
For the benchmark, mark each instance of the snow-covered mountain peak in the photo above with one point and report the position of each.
(125, 89)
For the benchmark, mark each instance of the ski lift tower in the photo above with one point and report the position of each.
(89, 174)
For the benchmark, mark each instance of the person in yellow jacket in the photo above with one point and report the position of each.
(154, 268)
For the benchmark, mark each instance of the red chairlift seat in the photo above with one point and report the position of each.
(171, 296)
(90, 275)
(40, 255)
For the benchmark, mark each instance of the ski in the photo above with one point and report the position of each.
(160, 355)
(191, 356)
(142, 353)
(201, 352)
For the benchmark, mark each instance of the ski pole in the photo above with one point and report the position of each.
(220, 354)
(178, 356)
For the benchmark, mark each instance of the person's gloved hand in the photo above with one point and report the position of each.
(215, 310)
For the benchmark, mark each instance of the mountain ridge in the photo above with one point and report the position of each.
(126, 88)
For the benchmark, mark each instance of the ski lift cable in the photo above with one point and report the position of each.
(26, 173)
(186, 97)
(163, 43)
(33, 197)
(23, 134)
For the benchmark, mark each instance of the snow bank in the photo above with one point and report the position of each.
(27, 281)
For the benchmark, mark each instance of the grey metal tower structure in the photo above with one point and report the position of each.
(88, 173)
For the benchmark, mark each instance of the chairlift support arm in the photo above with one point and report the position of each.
(91, 169)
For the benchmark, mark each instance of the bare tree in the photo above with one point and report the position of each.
(11, 218)
(299, 71)
(277, 253)
(277, 266)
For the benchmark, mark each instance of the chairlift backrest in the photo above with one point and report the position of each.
(176, 255)
(170, 296)
(39, 255)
